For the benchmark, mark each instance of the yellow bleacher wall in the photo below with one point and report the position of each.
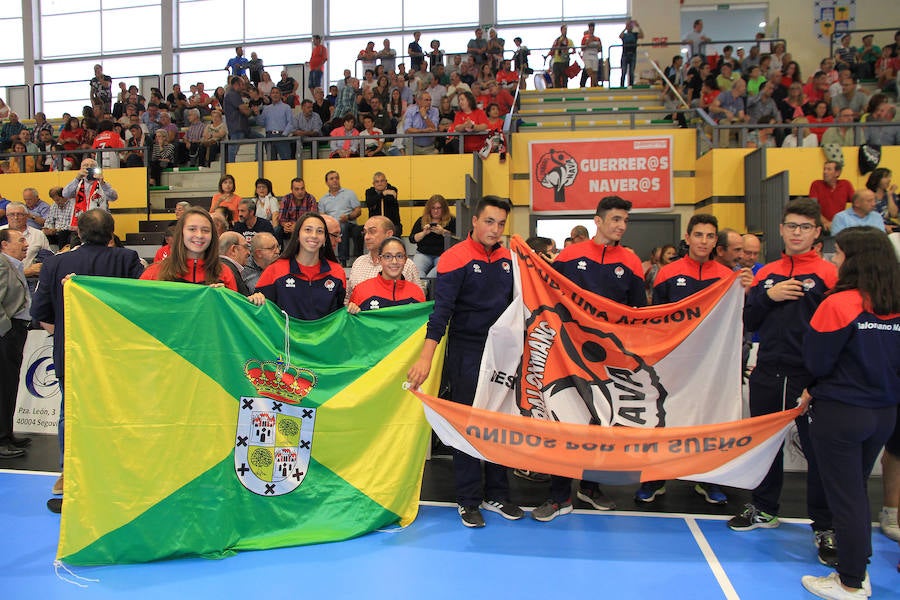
(131, 184)
(708, 184)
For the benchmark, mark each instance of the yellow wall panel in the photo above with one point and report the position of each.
(728, 171)
(729, 214)
(496, 177)
(684, 190)
(703, 170)
(245, 175)
(279, 172)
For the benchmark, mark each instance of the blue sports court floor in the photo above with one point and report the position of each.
(622, 554)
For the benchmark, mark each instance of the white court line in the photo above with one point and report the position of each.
(23, 472)
(712, 560)
(635, 513)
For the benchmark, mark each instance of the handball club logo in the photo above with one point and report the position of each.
(557, 170)
(578, 374)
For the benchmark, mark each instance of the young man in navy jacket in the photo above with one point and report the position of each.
(784, 295)
(474, 286)
(676, 281)
(602, 266)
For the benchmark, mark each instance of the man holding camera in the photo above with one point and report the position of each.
(89, 190)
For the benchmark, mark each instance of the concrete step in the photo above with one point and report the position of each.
(601, 118)
(204, 179)
(165, 200)
(564, 123)
(592, 107)
(553, 94)
(593, 100)
(149, 238)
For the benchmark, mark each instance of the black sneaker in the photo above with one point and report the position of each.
(827, 546)
(597, 499)
(531, 475)
(711, 493)
(649, 490)
(55, 505)
(471, 516)
(752, 518)
(504, 508)
(549, 510)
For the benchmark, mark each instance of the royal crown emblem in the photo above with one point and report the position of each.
(280, 381)
(274, 432)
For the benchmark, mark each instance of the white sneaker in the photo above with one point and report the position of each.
(889, 526)
(830, 588)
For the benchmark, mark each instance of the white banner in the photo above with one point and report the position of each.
(37, 409)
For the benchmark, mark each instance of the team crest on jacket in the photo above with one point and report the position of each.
(578, 374)
(274, 431)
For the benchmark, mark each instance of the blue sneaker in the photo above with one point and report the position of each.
(711, 493)
(649, 490)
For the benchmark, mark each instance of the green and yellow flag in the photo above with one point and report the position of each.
(195, 427)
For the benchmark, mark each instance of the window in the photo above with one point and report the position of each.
(203, 22)
(203, 65)
(345, 16)
(512, 11)
(124, 30)
(417, 13)
(11, 34)
(276, 19)
(73, 29)
(59, 96)
(12, 76)
(208, 21)
(65, 35)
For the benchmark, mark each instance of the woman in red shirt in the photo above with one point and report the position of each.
(194, 257)
(468, 119)
(821, 114)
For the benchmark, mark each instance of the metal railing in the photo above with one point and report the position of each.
(839, 34)
(169, 79)
(37, 92)
(632, 114)
(316, 142)
(754, 42)
(744, 129)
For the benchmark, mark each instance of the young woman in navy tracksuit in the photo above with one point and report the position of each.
(306, 281)
(388, 288)
(853, 353)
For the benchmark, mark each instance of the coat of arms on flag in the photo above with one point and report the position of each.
(274, 432)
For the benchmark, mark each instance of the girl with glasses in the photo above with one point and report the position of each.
(388, 288)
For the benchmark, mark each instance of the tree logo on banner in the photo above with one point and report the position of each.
(557, 170)
(274, 432)
(578, 374)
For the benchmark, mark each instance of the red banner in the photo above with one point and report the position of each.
(572, 176)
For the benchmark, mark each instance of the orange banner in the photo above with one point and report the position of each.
(572, 176)
(737, 453)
